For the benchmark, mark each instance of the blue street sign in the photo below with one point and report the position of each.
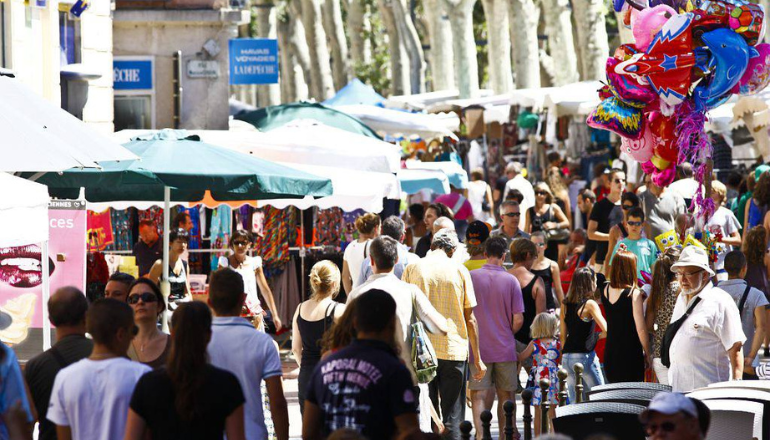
(132, 74)
(253, 61)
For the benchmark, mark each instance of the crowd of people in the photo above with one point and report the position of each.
(425, 318)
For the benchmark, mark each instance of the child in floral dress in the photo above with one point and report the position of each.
(545, 348)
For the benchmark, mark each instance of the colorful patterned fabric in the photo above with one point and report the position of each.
(545, 365)
(274, 245)
(329, 227)
(221, 227)
(122, 230)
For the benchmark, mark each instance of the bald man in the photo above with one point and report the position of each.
(67, 311)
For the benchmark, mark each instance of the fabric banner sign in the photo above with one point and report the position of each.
(99, 230)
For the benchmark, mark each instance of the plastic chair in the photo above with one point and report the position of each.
(630, 386)
(738, 396)
(583, 420)
(723, 419)
(637, 395)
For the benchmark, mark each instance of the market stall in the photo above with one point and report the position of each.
(396, 124)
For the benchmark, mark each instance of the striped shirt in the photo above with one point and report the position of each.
(251, 355)
(448, 286)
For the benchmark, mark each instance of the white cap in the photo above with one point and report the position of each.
(694, 256)
(669, 403)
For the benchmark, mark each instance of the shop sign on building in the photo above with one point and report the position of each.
(202, 69)
(253, 61)
(132, 74)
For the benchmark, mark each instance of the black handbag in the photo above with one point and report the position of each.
(593, 335)
(671, 331)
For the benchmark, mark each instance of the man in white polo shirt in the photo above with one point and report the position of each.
(251, 355)
(707, 347)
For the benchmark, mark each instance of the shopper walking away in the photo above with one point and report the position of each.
(707, 346)
(480, 197)
(368, 226)
(500, 314)
(660, 306)
(150, 346)
(236, 346)
(190, 398)
(579, 320)
(313, 319)
(661, 208)
(394, 228)
(545, 350)
(548, 271)
(449, 287)
(104, 381)
(752, 306)
(67, 311)
(363, 386)
(627, 352)
(757, 262)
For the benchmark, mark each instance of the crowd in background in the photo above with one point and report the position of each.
(429, 314)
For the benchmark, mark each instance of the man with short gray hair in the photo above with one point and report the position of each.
(519, 182)
(449, 288)
(394, 228)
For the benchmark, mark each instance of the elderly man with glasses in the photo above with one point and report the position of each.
(674, 416)
(705, 333)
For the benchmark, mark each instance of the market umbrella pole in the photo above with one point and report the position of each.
(165, 286)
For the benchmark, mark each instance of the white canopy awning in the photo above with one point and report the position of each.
(39, 136)
(352, 190)
(23, 212)
(398, 123)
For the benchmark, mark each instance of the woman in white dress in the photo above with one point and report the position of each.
(479, 195)
(368, 226)
(250, 269)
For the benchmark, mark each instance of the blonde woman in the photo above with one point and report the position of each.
(546, 216)
(312, 319)
(368, 226)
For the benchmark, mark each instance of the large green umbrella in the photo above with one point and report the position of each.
(276, 116)
(175, 166)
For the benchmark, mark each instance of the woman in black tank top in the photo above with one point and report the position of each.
(523, 255)
(548, 271)
(579, 312)
(307, 333)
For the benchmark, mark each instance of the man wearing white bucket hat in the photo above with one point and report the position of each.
(705, 336)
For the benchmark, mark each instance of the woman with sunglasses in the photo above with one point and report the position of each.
(250, 269)
(546, 216)
(620, 231)
(548, 271)
(150, 346)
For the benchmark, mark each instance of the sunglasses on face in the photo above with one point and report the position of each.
(540, 193)
(627, 207)
(652, 429)
(146, 297)
(240, 243)
(540, 244)
(512, 214)
(634, 223)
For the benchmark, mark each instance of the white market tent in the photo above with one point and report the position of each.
(23, 211)
(396, 123)
(39, 136)
(422, 101)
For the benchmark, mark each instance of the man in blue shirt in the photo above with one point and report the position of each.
(645, 249)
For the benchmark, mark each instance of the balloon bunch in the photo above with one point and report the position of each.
(689, 56)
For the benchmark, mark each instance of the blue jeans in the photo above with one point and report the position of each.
(592, 373)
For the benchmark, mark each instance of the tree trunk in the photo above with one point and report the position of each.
(399, 60)
(466, 64)
(321, 83)
(300, 54)
(561, 47)
(441, 50)
(266, 28)
(359, 27)
(499, 54)
(592, 37)
(332, 19)
(524, 17)
(288, 87)
(411, 42)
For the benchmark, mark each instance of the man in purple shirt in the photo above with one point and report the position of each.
(500, 314)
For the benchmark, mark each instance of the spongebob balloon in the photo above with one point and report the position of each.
(666, 240)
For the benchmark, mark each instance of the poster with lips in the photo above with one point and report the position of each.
(21, 277)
